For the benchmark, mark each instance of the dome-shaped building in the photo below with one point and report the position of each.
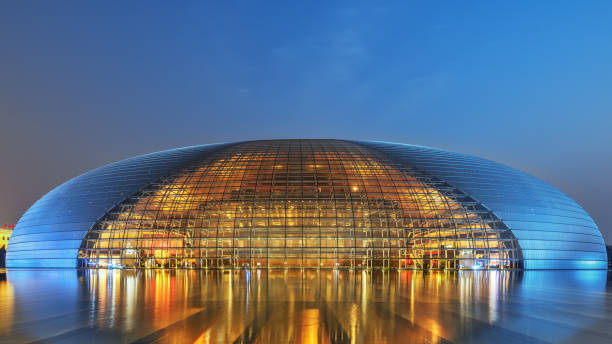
(307, 204)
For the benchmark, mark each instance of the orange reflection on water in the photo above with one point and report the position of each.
(7, 297)
(295, 306)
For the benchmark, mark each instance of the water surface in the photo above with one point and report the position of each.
(294, 306)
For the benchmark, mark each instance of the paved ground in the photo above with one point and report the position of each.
(70, 306)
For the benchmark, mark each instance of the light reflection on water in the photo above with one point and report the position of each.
(303, 306)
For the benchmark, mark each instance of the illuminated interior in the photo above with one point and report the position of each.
(300, 204)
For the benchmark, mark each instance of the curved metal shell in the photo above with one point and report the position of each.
(553, 231)
(50, 232)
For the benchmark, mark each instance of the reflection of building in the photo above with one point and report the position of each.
(5, 234)
(307, 203)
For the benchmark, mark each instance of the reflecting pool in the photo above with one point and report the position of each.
(304, 306)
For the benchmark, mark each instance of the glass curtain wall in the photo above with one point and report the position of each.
(299, 204)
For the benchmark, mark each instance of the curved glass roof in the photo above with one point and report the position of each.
(307, 203)
(299, 203)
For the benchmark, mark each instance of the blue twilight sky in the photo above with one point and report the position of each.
(525, 83)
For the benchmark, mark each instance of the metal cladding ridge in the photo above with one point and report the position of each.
(50, 232)
(553, 231)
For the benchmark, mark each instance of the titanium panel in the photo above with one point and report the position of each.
(50, 232)
(552, 229)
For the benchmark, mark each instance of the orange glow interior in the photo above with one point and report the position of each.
(281, 204)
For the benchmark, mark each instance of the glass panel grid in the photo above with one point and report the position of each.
(296, 204)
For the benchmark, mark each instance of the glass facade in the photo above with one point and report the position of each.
(306, 203)
(295, 204)
(553, 231)
(50, 233)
